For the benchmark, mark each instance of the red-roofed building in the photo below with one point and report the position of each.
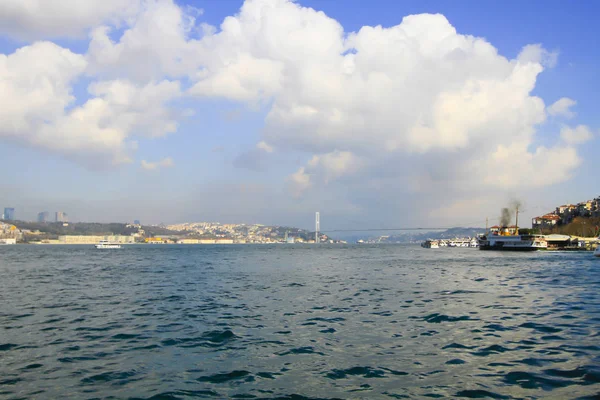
(545, 221)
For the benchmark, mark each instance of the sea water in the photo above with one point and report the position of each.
(297, 322)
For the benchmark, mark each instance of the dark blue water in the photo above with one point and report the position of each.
(295, 322)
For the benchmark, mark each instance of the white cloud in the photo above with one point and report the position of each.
(334, 165)
(264, 146)
(40, 19)
(447, 101)
(37, 107)
(562, 107)
(164, 163)
(155, 44)
(515, 167)
(536, 54)
(412, 108)
(34, 92)
(299, 182)
(579, 134)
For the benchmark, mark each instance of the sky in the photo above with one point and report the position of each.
(380, 114)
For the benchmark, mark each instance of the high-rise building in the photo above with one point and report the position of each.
(44, 216)
(9, 214)
(61, 217)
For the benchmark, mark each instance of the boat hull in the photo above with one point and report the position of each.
(508, 248)
(108, 246)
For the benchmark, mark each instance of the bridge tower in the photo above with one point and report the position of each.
(317, 226)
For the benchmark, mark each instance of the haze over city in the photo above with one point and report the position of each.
(380, 114)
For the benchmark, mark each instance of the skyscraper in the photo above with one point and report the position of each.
(61, 217)
(9, 214)
(44, 216)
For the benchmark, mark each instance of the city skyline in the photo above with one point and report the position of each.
(264, 111)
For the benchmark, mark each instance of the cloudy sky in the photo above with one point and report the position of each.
(265, 111)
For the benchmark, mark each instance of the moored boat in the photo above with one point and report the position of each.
(508, 238)
(105, 244)
(512, 242)
(597, 251)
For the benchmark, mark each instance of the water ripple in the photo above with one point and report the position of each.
(297, 323)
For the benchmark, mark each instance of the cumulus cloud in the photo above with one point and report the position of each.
(155, 44)
(299, 182)
(265, 147)
(579, 134)
(41, 19)
(562, 107)
(412, 108)
(164, 163)
(417, 90)
(37, 107)
(535, 53)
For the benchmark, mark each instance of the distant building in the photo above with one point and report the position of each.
(188, 241)
(9, 214)
(545, 221)
(80, 239)
(136, 221)
(61, 217)
(44, 216)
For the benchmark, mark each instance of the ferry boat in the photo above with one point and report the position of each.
(508, 238)
(105, 244)
(498, 241)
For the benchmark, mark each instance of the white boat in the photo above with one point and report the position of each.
(8, 241)
(459, 242)
(512, 242)
(505, 239)
(105, 244)
(597, 251)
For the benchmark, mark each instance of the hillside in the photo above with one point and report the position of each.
(579, 226)
(51, 230)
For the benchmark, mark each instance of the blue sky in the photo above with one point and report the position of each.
(166, 119)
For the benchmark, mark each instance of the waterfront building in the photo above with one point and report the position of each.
(44, 216)
(61, 216)
(9, 214)
(545, 221)
(188, 241)
(94, 239)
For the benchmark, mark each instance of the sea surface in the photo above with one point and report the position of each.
(297, 322)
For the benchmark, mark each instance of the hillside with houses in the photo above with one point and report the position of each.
(581, 219)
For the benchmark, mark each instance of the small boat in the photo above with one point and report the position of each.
(597, 251)
(105, 244)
